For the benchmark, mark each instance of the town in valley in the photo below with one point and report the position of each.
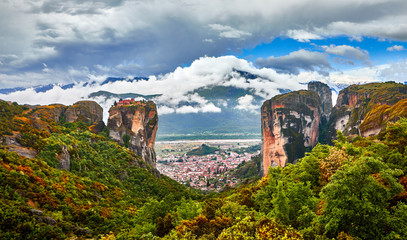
(207, 172)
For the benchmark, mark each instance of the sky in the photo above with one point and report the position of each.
(184, 44)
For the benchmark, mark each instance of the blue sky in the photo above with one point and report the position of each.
(65, 41)
(281, 46)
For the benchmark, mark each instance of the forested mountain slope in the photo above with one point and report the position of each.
(107, 188)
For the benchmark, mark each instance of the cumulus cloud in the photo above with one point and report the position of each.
(210, 107)
(162, 110)
(246, 103)
(395, 71)
(228, 31)
(295, 61)
(388, 27)
(348, 52)
(302, 35)
(395, 48)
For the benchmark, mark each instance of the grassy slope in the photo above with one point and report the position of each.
(106, 189)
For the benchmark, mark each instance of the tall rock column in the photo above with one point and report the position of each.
(289, 125)
(135, 125)
(325, 93)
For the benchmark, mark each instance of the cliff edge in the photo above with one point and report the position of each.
(134, 124)
(289, 125)
(364, 103)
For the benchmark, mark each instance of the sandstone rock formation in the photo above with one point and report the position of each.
(360, 110)
(135, 125)
(325, 93)
(41, 118)
(13, 145)
(64, 159)
(88, 112)
(376, 119)
(289, 125)
(356, 101)
(54, 112)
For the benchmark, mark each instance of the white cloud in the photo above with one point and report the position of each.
(387, 27)
(347, 51)
(302, 35)
(210, 107)
(295, 61)
(162, 110)
(395, 48)
(208, 40)
(228, 31)
(187, 109)
(395, 71)
(246, 103)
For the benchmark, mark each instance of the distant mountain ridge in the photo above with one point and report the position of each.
(107, 95)
(47, 87)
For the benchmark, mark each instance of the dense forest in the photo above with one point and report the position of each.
(355, 189)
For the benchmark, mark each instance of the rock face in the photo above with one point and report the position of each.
(135, 125)
(53, 112)
(40, 117)
(64, 159)
(289, 124)
(88, 112)
(356, 102)
(376, 119)
(325, 93)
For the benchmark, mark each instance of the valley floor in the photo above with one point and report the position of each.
(209, 172)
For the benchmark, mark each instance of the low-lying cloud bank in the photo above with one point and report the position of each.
(177, 88)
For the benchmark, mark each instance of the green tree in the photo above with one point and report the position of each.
(126, 140)
(396, 135)
(357, 199)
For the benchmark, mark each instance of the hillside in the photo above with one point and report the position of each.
(203, 150)
(107, 188)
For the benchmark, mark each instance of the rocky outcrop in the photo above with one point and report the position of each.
(88, 112)
(289, 125)
(43, 118)
(53, 112)
(135, 126)
(64, 159)
(356, 101)
(13, 145)
(377, 119)
(325, 93)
